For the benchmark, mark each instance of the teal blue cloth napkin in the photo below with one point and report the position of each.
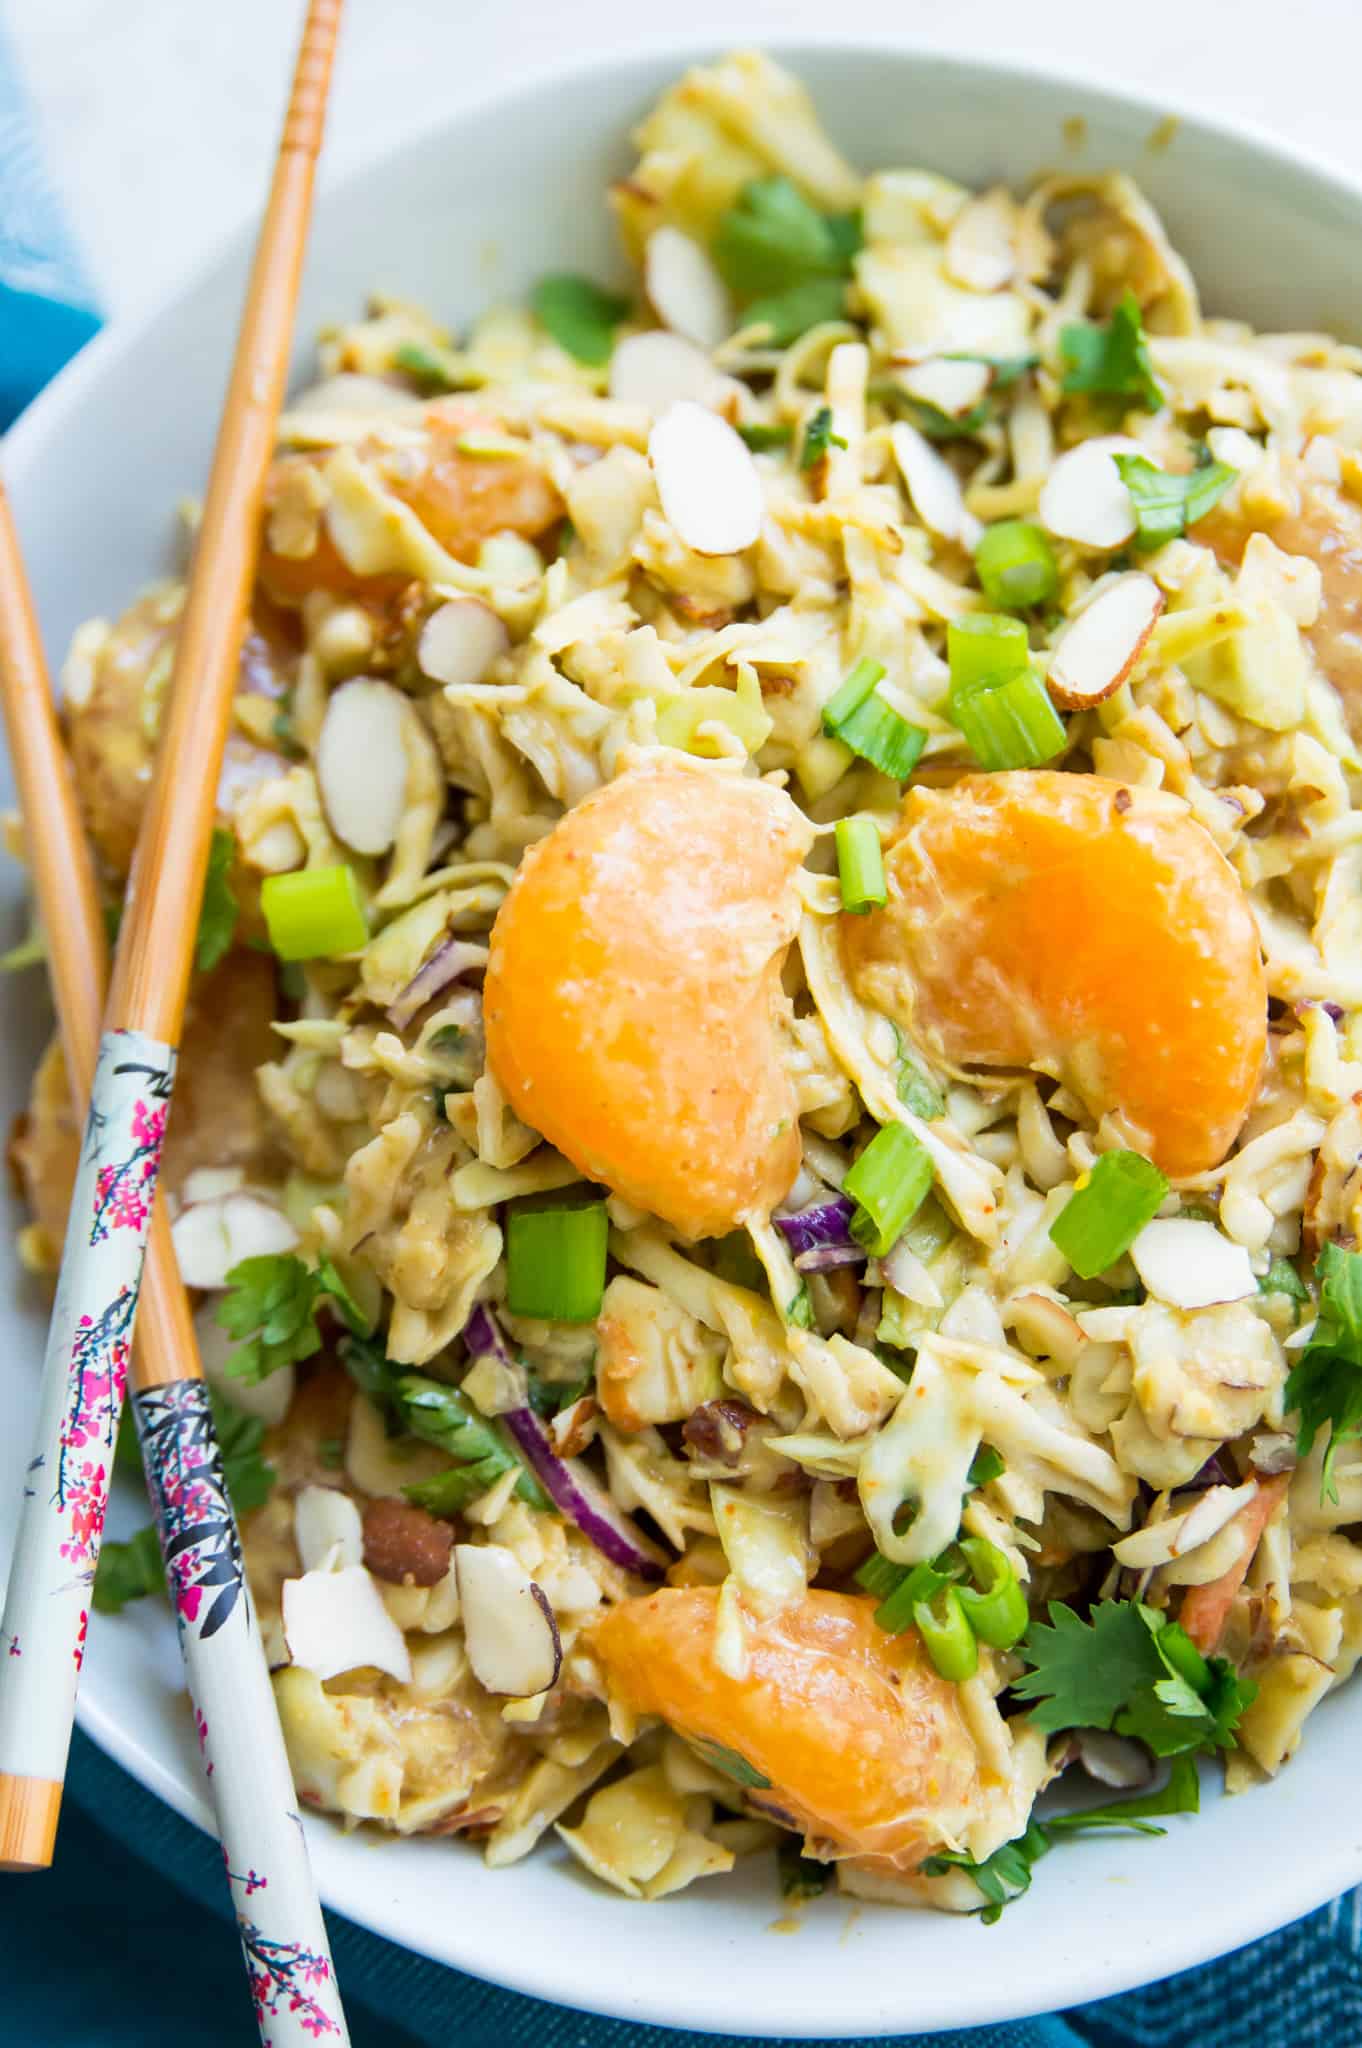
(125, 1943)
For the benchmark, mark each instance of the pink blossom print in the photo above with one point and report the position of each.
(198, 1531)
(285, 1977)
(124, 1187)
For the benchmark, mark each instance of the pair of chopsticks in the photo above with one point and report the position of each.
(127, 1072)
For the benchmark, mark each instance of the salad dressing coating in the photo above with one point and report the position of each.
(599, 688)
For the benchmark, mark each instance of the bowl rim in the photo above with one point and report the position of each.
(562, 1977)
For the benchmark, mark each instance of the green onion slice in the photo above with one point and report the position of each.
(314, 914)
(947, 1636)
(995, 1604)
(1106, 1213)
(1009, 720)
(889, 1183)
(860, 865)
(982, 646)
(1016, 564)
(861, 720)
(555, 1261)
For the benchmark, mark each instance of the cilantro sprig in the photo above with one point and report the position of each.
(1006, 1874)
(273, 1307)
(818, 438)
(581, 316)
(414, 1405)
(1128, 1668)
(218, 911)
(1325, 1384)
(783, 259)
(1166, 504)
(1112, 360)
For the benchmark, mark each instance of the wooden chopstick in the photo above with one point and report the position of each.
(256, 1822)
(45, 1616)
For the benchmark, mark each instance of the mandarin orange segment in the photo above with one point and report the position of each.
(633, 1001)
(1086, 930)
(865, 1747)
(460, 496)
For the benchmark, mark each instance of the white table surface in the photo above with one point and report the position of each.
(160, 114)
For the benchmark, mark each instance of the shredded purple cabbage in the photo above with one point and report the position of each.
(827, 1223)
(450, 960)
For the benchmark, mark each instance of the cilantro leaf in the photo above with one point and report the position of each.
(1166, 505)
(801, 1877)
(581, 316)
(1281, 1277)
(439, 1414)
(773, 237)
(128, 1571)
(1006, 1874)
(731, 1762)
(1181, 1794)
(248, 1474)
(273, 1306)
(1325, 1384)
(1111, 361)
(218, 912)
(1001, 1877)
(1129, 1669)
(789, 314)
(431, 368)
(818, 438)
(1083, 1672)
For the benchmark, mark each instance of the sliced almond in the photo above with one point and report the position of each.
(212, 1237)
(687, 293)
(509, 1629)
(362, 764)
(336, 1621)
(1190, 1264)
(268, 1399)
(327, 1529)
(207, 1183)
(656, 369)
(1083, 498)
(980, 251)
(1099, 646)
(1176, 1535)
(933, 487)
(706, 479)
(950, 385)
(460, 641)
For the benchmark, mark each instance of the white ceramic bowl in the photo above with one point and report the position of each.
(472, 211)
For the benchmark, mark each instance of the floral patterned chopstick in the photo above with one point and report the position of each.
(115, 1215)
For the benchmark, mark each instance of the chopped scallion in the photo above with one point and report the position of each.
(981, 646)
(761, 438)
(1016, 565)
(1009, 720)
(858, 717)
(314, 914)
(555, 1261)
(860, 865)
(995, 1604)
(1106, 1212)
(889, 1183)
(947, 1636)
